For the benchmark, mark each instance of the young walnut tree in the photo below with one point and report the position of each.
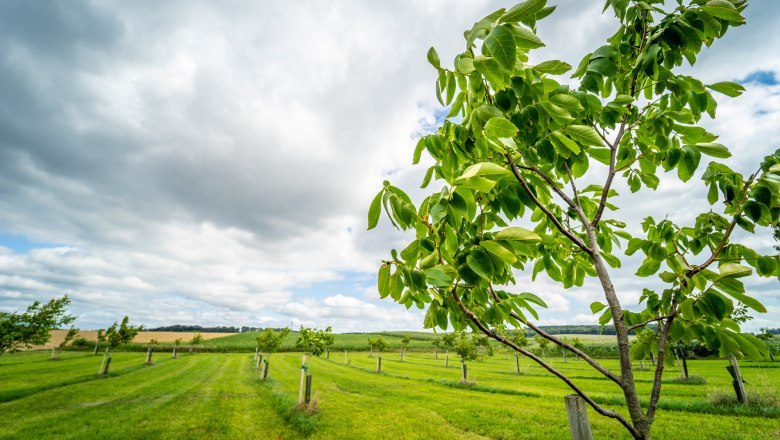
(515, 149)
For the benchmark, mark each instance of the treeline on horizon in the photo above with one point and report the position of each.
(201, 329)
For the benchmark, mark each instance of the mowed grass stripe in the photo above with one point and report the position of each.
(230, 403)
(19, 382)
(361, 406)
(209, 387)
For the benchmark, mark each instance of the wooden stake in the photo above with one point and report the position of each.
(464, 371)
(517, 363)
(308, 389)
(108, 363)
(739, 384)
(447, 359)
(303, 377)
(379, 364)
(578, 417)
(345, 357)
(102, 363)
(149, 356)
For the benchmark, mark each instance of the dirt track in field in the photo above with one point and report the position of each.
(57, 336)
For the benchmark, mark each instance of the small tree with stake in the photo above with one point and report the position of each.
(269, 342)
(405, 343)
(436, 346)
(313, 341)
(542, 343)
(122, 333)
(521, 144)
(72, 333)
(378, 343)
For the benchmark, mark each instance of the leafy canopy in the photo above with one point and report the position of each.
(524, 167)
(122, 333)
(378, 343)
(516, 137)
(34, 326)
(314, 342)
(269, 340)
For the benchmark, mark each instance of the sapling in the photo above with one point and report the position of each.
(523, 146)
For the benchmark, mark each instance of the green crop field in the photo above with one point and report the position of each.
(344, 341)
(221, 396)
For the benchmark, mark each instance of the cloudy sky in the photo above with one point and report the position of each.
(193, 162)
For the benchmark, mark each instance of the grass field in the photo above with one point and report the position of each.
(221, 396)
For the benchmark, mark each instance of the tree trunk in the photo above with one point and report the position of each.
(621, 334)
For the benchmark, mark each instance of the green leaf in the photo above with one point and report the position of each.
(375, 210)
(465, 65)
(500, 128)
(530, 297)
(688, 162)
(488, 170)
(734, 270)
(766, 266)
(637, 351)
(714, 150)
(716, 304)
(383, 282)
(490, 68)
(568, 102)
(480, 262)
(596, 307)
(501, 43)
(724, 10)
(418, 150)
(433, 58)
(440, 275)
(478, 183)
(748, 301)
(584, 134)
(568, 143)
(602, 155)
(728, 88)
(525, 38)
(522, 11)
(553, 67)
(516, 233)
(648, 267)
(499, 251)
(559, 114)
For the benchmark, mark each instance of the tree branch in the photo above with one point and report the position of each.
(729, 230)
(598, 408)
(655, 394)
(641, 324)
(601, 369)
(576, 240)
(552, 184)
(611, 174)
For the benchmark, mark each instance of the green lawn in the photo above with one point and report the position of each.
(221, 396)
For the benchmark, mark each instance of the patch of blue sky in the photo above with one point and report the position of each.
(21, 244)
(426, 126)
(349, 284)
(763, 77)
